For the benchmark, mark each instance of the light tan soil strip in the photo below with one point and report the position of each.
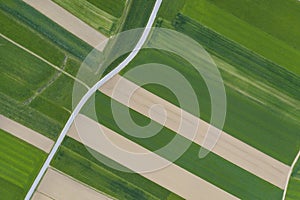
(69, 22)
(172, 177)
(56, 185)
(26, 134)
(228, 147)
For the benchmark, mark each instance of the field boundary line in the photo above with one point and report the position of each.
(44, 60)
(58, 185)
(289, 175)
(82, 183)
(90, 92)
(26, 134)
(43, 194)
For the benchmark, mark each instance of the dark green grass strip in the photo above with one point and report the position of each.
(252, 28)
(138, 15)
(10, 191)
(50, 109)
(74, 159)
(19, 165)
(170, 8)
(14, 88)
(214, 169)
(23, 66)
(293, 191)
(240, 57)
(284, 16)
(113, 7)
(24, 35)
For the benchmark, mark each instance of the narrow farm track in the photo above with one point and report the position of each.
(228, 147)
(50, 82)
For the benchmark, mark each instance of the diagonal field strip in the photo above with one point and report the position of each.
(69, 22)
(57, 185)
(228, 147)
(172, 177)
(26, 134)
(44, 60)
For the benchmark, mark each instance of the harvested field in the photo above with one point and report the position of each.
(26, 134)
(56, 185)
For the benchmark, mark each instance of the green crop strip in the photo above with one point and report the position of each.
(19, 164)
(73, 157)
(270, 29)
(293, 192)
(213, 168)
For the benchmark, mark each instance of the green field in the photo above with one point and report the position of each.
(258, 122)
(293, 191)
(273, 41)
(92, 15)
(138, 14)
(35, 31)
(261, 96)
(212, 168)
(113, 7)
(73, 157)
(31, 89)
(19, 84)
(51, 105)
(266, 111)
(19, 165)
(34, 85)
(273, 17)
(169, 9)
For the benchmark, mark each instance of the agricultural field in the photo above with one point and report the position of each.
(73, 157)
(243, 23)
(213, 168)
(33, 26)
(26, 92)
(266, 93)
(39, 96)
(273, 17)
(140, 11)
(257, 61)
(19, 164)
(293, 191)
(114, 7)
(262, 116)
(93, 15)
